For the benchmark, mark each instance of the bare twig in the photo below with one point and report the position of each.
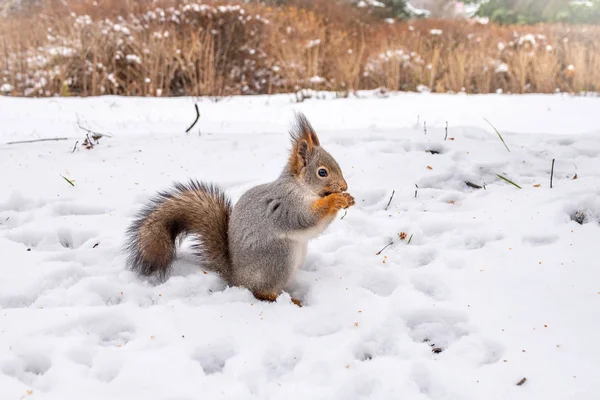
(410, 238)
(345, 212)
(522, 381)
(474, 186)
(69, 181)
(87, 143)
(417, 188)
(391, 197)
(38, 140)
(196, 120)
(446, 137)
(508, 180)
(552, 173)
(75, 146)
(386, 246)
(95, 135)
(425, 127)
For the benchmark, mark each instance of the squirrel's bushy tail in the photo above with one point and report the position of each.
(195, 208)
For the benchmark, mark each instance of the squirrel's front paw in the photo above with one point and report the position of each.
(350, 199)
(339, 200)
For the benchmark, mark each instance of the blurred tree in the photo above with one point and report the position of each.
(533, 11)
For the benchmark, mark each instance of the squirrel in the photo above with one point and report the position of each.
(256, 244)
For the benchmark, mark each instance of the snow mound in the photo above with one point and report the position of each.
(443, 282)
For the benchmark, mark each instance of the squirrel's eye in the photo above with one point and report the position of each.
(322, 172)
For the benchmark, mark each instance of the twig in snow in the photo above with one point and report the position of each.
(95, 135)
(499, 135)
(425, 127)
(345, 212)
(196, 120)
(410, 238)
(474, 186)
(552, 173)
(446, 137)
(38, 140)
(391, 197)
(522, 381)
(87, 143)
(417, 188)
(508, 180)
(70, 183)
(386, 246)
(75, 146)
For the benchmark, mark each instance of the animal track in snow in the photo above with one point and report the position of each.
(51, 239)
(107, 328)
(540, 240)
(376, 344)
(280, 363)
(27, 366)
(380, 283)
(58, 278)
(473, 240)
(431, 286)
(74, 208)
(416, 257)
(80, 355)
(438, 326)
(213, 357)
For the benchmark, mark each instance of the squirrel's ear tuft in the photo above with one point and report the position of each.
(304, 140)
(302, 129)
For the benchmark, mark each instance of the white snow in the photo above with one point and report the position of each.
(6, 88)
(501, 279)
(501, 67)
(528, 38)
(313, 43)
(133, 59)
(370, 3)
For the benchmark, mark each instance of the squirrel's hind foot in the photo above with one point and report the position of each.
(272, 296)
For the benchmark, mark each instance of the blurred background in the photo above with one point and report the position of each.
(223, 48)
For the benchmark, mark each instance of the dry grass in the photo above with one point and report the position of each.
(171, 48)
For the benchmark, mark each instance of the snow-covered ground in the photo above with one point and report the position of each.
(500, 282)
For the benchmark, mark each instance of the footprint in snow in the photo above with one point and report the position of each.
(68, 208)
(27, 366)
(58, 278)
(52, 239)
(213, 357)
(540, 240)
(437, 327)
(380, 283)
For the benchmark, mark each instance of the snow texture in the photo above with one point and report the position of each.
(497, 284)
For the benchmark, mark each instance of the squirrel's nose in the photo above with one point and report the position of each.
(344, 186)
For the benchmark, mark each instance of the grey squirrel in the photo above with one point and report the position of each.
(259, 242)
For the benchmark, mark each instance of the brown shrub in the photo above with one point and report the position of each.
(172, 48)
